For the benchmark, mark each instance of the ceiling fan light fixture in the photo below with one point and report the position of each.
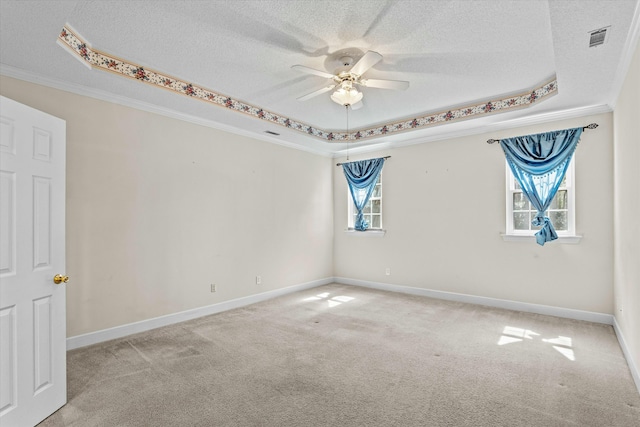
(346, 95)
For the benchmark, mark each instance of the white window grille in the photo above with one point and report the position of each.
(372, 211)
(562, 210)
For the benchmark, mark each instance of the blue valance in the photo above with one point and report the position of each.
(362, 177)
(539, 163)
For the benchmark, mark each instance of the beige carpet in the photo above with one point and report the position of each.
(348, 356)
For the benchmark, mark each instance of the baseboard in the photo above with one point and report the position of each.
(635, 373)
(145, 325)
(568, 313)
(169, 319)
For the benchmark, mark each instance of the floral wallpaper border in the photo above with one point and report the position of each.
(97, 59)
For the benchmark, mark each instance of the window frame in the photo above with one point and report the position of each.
(351, 210)
(568, 235)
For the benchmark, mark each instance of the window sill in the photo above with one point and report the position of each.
(568, 240)
(367, 233)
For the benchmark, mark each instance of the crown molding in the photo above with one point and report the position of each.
(94, 58)
(332, 150)
(77, 89)
(482, 128)
(627, 56)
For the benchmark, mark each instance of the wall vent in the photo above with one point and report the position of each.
(598, 37)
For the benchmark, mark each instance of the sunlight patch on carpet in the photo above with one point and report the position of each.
(331, 301)
(562, 344)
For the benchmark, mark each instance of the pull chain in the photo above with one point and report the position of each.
(347, 107)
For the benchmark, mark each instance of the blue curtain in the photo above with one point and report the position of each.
(362, 177)
(539, 163)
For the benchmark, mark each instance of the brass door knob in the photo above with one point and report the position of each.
(59, 278)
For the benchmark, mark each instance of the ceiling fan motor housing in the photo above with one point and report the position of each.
(352, 65)
(346, 61)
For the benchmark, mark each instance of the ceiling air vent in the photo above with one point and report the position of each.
(271, 132)
(598, 37)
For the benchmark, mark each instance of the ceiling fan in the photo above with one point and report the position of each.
(346, 79)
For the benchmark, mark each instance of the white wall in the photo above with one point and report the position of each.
(444, 210)
(627, 210)
(157, 209)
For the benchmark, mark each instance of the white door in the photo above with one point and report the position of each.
(33, 381)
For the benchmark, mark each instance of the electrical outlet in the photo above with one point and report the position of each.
(213, 287)
(258, 280)
(387, 271)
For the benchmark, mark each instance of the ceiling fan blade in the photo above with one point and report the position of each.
(260, 29)
(358, 105)
(316, 93)
(385, 84)
(312, 71)
(367, 61)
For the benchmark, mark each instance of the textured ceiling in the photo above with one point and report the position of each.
(454, 54)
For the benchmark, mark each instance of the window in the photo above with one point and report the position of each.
(372, 210)
(520, 212)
